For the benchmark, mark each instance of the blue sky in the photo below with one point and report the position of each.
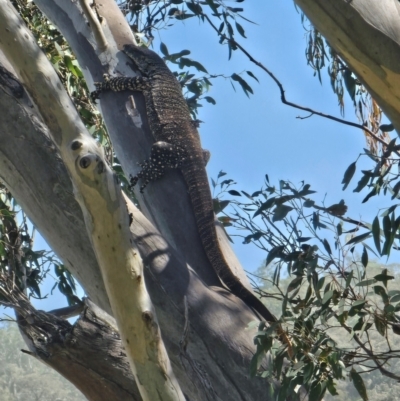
(251, 137)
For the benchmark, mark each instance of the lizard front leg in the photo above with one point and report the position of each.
(163, 156)
(120, 84)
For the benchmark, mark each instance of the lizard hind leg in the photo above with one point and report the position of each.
(163, 156)
(118, 84)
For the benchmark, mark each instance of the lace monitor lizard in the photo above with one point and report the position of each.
(178, 146)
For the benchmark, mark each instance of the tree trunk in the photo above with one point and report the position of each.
(214, 364)
(89, 353)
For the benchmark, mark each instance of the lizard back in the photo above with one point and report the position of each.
(171, 124)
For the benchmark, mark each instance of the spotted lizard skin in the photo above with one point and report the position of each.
(177, 146)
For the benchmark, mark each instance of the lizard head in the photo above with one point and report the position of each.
(144, 59)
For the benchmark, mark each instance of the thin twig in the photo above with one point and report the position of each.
(282, 91)
(379, 366)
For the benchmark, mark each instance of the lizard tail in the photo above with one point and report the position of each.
(199, 191)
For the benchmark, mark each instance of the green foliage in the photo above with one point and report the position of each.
(159, 13)
(18, 258)
(223, 19)
(383, 178)
(330, 300)
(64, 62)
(348, 175)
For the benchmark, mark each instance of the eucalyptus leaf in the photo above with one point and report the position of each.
(364, 257)
(365, 283)
(359, 384)
(294, 284)
(327, 297)
(348, 175)
(359, 238)
(356, 307)
(280, 212)
(376, 232)
(380, 326)
(362, 183)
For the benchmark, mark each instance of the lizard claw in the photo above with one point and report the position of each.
(133, 181)
(95, 94)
